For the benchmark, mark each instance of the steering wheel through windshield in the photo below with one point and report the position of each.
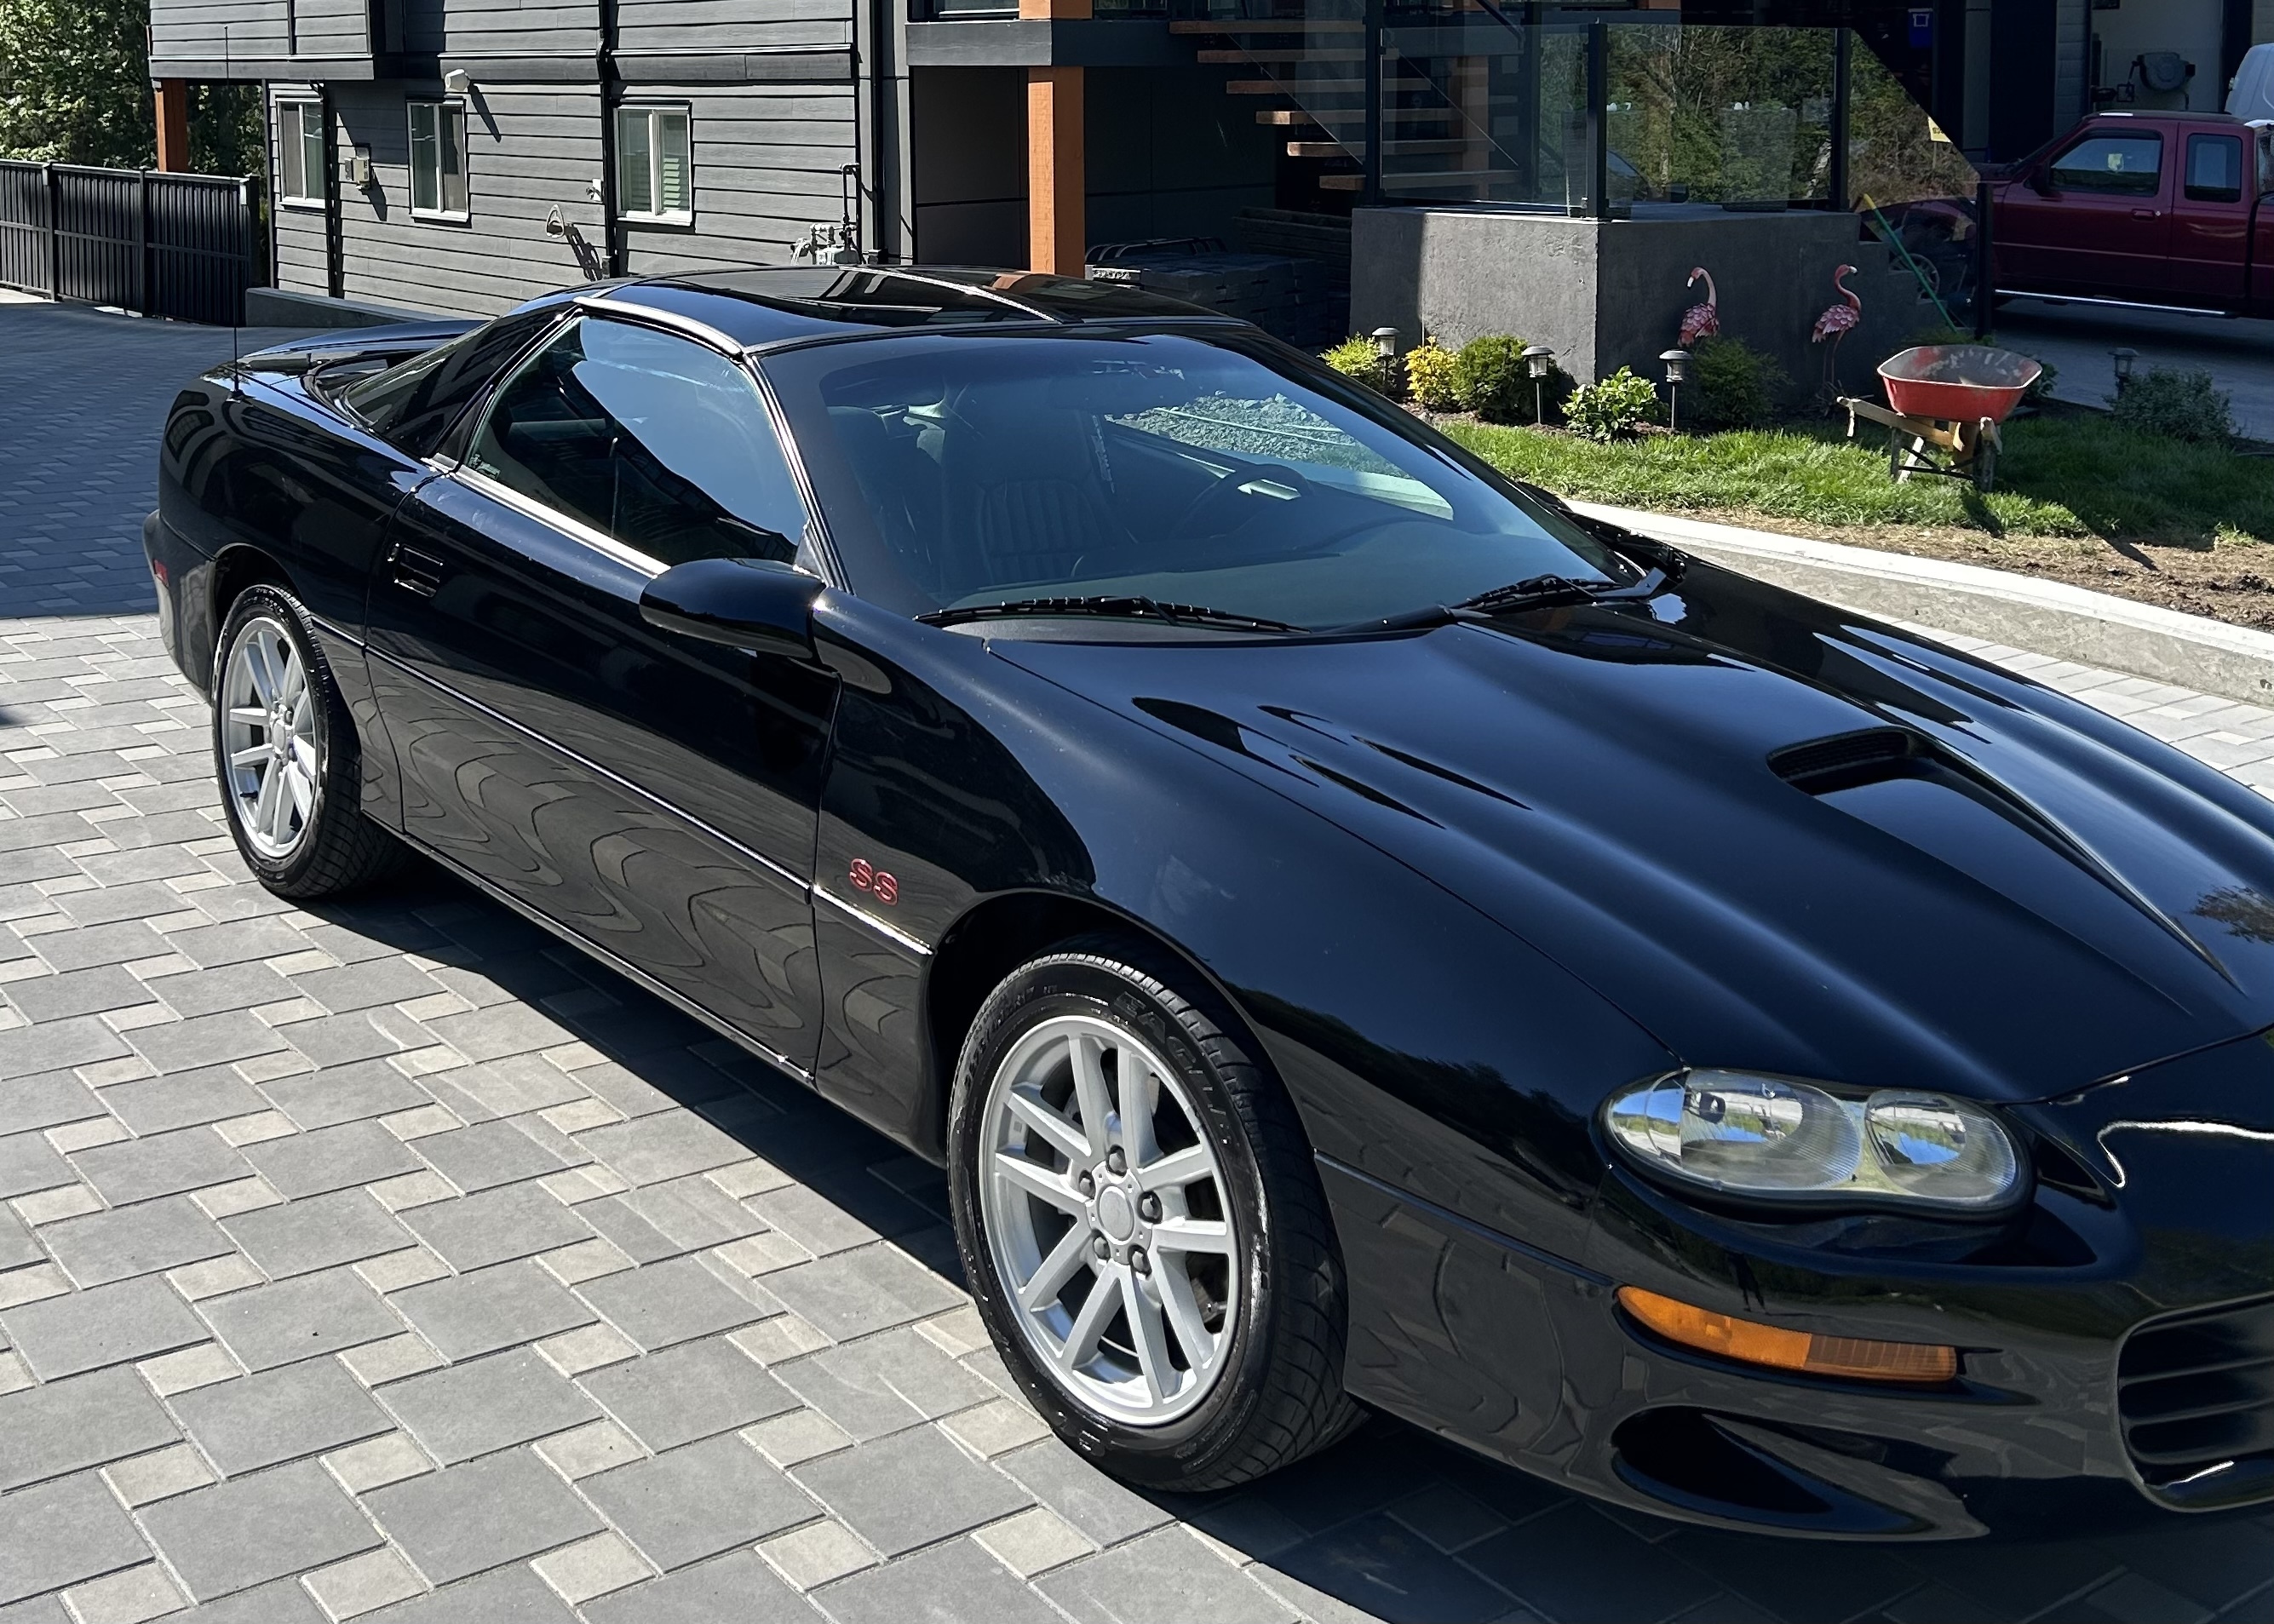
(1215, 509)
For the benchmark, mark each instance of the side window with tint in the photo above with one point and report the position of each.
(414, 404)
(2215, 169)
(2130, 164)
(651, 440)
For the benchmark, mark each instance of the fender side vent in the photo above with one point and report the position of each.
(1846, 760)
(415, 571)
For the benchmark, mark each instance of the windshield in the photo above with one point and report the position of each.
(1207, 470)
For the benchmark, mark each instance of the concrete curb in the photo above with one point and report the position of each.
(2044, 617)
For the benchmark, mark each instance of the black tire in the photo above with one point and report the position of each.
(339, 850)
(1985, 469)
(1280, 1396)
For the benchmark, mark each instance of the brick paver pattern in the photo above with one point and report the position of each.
(392, 1260)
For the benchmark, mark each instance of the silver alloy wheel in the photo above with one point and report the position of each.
(269, 757)
(1108, 1218)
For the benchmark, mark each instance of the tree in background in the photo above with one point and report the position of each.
(224, 128)
(1681, 97)
(75, 82)
(1895, 156)
(75, 88)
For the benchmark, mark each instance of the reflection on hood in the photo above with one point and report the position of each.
(1778, 836)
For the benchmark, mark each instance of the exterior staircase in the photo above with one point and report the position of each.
(1447, 133)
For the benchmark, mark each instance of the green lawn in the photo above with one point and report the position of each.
(2059, 476)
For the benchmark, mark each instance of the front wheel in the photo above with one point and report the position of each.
(284, 751)
(1142, 1225)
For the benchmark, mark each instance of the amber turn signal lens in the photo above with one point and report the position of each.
(1731, 1338)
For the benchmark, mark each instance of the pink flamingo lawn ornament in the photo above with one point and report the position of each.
(1701, 321)
(1835, 324)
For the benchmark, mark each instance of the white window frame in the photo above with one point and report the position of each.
(300, 110)
(649, 111)
(455, 108)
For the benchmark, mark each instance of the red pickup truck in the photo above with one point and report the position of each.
(2156, 208)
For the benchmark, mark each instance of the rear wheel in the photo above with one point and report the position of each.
(1142, 1225)
(284, 751)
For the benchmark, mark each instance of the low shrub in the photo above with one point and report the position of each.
(2179, 405)
(1489, 378)
(1429, 376)
(1355, 357)
(1611, 408)
(1733, 386)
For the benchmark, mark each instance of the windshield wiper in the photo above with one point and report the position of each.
(1122, 607)
(1533, 592)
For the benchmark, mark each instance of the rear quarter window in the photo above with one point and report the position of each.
(2215, 169)
(413, 405)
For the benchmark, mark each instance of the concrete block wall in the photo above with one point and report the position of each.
(1612, 294)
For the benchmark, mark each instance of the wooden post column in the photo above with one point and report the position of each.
(173, 99)
(1057, 239)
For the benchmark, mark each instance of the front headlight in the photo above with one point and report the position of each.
(1778, 1138)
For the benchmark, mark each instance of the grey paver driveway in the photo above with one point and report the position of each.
(392, 1260)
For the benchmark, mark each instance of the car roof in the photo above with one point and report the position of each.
(763, 306)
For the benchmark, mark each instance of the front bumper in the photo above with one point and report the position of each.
(2117, 1339)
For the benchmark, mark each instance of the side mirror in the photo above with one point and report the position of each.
(742, 603)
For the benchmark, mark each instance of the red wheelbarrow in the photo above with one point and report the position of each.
(1945, 402)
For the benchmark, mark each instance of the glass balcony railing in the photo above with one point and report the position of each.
(1559, 108)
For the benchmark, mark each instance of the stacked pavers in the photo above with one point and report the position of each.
(351, 1256)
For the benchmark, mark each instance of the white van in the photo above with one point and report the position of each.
(2253, 94)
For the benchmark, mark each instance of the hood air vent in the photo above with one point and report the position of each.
(1823, 768)
(1846, 760)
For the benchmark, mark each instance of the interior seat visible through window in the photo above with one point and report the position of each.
(1030, 493)
(896, 461)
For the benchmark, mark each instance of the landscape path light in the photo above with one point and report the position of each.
(1538, 358)
(1385, 350)
(1677, 374)
(2124, 359)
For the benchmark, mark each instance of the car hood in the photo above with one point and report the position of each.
(1777, 835)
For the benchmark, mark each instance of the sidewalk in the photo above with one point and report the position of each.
(2051, 617)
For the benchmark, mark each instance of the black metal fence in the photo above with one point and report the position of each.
(178, 245)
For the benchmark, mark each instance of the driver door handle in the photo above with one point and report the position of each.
(2147, 213)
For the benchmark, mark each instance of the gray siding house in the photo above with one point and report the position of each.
(464, 155)
(421, 146)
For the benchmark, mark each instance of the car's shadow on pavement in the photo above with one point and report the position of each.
(1391, 1523)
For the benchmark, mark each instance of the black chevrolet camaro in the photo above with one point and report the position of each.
(1358, 933)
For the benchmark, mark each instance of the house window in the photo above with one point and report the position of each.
(300, 152)
(655, 164)
(438, 159)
